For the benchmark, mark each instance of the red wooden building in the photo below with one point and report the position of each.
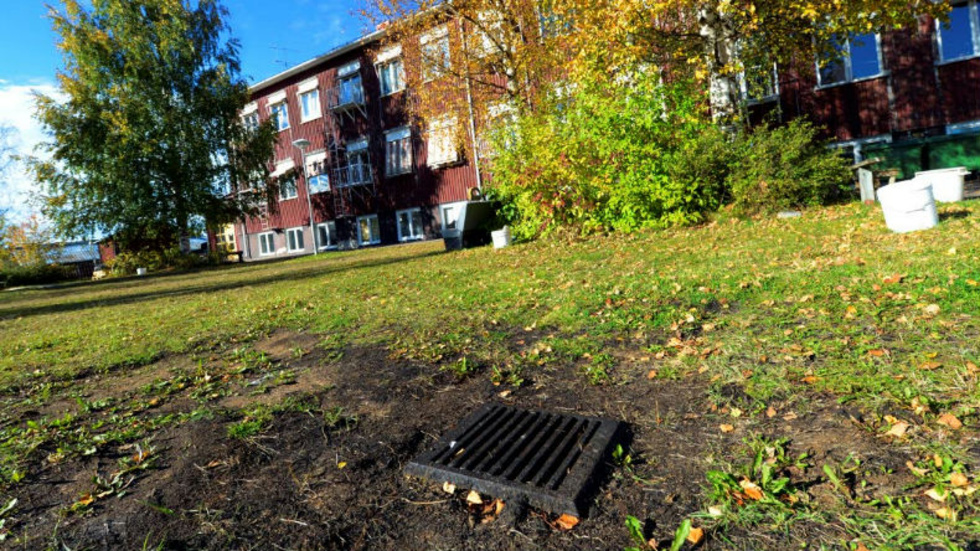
(374, 179)
(371, 177)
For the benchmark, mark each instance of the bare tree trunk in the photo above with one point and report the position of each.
(719, 49)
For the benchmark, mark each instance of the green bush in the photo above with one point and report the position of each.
(126, 263)
(786, 167)
(600, 158)
(38, 274)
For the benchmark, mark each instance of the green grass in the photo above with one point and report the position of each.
(829, 304)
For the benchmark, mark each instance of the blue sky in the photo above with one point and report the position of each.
(272, 33)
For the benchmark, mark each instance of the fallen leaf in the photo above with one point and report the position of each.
(790, 416)
(652, 374)
(695, 536)
(341, 465)
(937, 460)
(876, 352)
(935, 495)
(751, 489)
(771, 412)
(505, 394)
(714, 511)
(930, 366)
(810, 379)
(916, 470)
(861, 547)
(892, 280)
(946, 513)
(967, 491)
(566, 522)
(85, 500)
(726, 428)
(959, 480)
(932, 310)
(473, 498)
(950, 421)
(736, 413)
(899, 429)
(972, 368)
(449, 487)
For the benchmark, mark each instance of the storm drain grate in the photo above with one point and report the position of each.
(548, 459)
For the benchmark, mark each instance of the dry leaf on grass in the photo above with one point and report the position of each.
(751, 489)
(726, 428)
(695, 536)
(930, 366)
(652, 374)
(935, 495)
(449, 487)
(771, 412)
(473, 498)
(916, 470)
(566, 522)
(877, 353)
(950, 421)
(946, 513)
(899, 429)
(958, 480)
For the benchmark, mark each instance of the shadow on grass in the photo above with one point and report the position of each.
(310, 272)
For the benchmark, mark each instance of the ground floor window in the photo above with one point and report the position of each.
(368, 230)
(410, 224)
(267, 243)
(326, 235)
(294, 240)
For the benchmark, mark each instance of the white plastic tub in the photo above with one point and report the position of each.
(947, 183)
(909, 206)
(501, 238)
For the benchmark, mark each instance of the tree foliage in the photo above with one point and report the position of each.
(149, 140)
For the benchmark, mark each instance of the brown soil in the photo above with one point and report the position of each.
(285, 489)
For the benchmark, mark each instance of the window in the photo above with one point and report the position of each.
(267, 243)
(442, 142)
(435, 53)
(368, 230)
(450, 215)
(316, 172)
(251, 121)
(410, 224)
(392, 77)
(855, 59)
(348, 90)
(287, 190)
(391, 70)
(398, 152)
(280, 115)
(501, 127)
(489, 36)
(294, 240)
(960, 38)
(310, 103)
(963, 128)
(758, 84)
(326, 235)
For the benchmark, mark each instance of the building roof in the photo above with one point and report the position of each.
(332, 54)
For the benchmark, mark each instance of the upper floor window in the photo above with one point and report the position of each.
(251, 121)
(856, 58)
(435, 53)
(398, 151)
(759, 83)
(309, 99)
(391, 70)
(348, 90)
(960, 37)
(280, 115)
(442, 142)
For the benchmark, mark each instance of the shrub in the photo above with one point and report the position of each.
(36, 274)
(601, 159)
(126, 263)
(787, 167)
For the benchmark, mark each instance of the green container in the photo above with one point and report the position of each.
(917, 155)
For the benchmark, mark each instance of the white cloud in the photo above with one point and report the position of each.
(17, 110)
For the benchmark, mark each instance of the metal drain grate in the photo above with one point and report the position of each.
(548, 459)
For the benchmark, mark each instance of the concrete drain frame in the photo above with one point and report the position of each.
(549, 460)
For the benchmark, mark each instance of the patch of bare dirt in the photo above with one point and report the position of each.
(303, 484)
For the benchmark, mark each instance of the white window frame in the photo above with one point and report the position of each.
(417, 233)
(312, 160)
(393, 136)
(974, 12)
(442, 148)
(282, 123)
(743, 86)
(458, 205)
(376, 239)
(316, 110)
(846, 59)
(387, 70)
(440, 35)
(271, 249)
(301, 240)
(331, 229)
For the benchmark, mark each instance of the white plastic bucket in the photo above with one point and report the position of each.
(908, 206)
(947, 183)
(141, 271)
(501, 238)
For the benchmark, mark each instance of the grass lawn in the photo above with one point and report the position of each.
(772, 331)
